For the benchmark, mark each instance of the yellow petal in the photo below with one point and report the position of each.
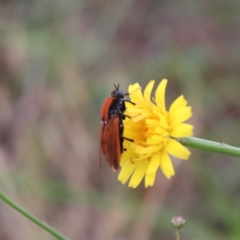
(166, 165)
(180, 116)
(148, 91)
(128, 154)
(126, 172)
(146, 150)
(180, 102)
(133, 135)
(160, 93)
(154, 140)
(176, 149)
(135, 93)
(138, 175)
(124, 158)
(164, 122)
(150, 179)
(152, 122)
(159, 131)
(182, 130)
(158, 110)
(139, 116)
(154, 163)
(129, 105)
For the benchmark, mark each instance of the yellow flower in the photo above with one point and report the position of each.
(153, 130)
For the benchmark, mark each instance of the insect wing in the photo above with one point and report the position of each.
(110, 142)
(105, 108)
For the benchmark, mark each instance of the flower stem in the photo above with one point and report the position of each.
(32, 218)
(178, 235)
(210, 146)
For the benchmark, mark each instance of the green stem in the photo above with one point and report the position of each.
(210, 146)
(32, 218)
(178, 235)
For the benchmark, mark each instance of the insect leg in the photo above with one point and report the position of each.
(128, 139)
(130, 102)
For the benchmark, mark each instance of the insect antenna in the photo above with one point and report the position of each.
(116, 86)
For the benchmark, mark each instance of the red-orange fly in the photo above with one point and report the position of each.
(111, 135)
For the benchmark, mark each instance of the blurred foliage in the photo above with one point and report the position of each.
(58, 62)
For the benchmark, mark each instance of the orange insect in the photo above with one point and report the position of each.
(111, 135)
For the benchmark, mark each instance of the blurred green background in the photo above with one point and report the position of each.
(59, 61)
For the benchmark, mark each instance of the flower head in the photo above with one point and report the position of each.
(178, 222)
(153, 130)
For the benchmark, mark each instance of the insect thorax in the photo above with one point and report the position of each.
(117, 108)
